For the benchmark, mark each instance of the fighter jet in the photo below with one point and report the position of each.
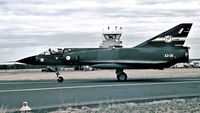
(159, 52)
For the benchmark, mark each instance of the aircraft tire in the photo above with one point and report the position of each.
(60, 79)
(122, 77)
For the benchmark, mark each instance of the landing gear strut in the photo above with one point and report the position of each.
(59, 78)
(121, 76)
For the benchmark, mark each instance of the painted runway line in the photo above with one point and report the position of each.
(25, 83)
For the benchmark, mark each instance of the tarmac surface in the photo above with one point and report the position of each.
(45, 94)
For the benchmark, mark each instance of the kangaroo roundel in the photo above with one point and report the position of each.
(68, 57)
(168, 39)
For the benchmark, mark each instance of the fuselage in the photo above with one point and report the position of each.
(114, 58)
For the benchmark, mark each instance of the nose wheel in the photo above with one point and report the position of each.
(121, 76)
(60, 79)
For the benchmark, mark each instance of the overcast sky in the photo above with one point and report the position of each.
(29, 27)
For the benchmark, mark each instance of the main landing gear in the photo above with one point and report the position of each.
(121, 76)
(59, 78)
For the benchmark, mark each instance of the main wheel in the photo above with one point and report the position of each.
(122, 77)
(60, 79)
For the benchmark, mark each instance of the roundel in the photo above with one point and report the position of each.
(68, 57)
(168, 39)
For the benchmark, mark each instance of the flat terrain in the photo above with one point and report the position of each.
(36, 74)
(41, 90)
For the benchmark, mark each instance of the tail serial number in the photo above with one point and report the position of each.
(169, 55)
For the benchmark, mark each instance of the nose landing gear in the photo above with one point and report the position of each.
(59, 78)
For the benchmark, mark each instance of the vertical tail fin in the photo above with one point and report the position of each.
(175, 36)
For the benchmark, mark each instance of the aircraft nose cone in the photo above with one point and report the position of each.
(28, 60)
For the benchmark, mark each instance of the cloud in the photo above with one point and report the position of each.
(153, 2)
(75, 16)
(28, 24)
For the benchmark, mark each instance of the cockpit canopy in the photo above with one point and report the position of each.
(53, 51)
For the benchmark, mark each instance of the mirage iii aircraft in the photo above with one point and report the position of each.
(159, 52)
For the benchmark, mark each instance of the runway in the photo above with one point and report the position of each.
(45, 94)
